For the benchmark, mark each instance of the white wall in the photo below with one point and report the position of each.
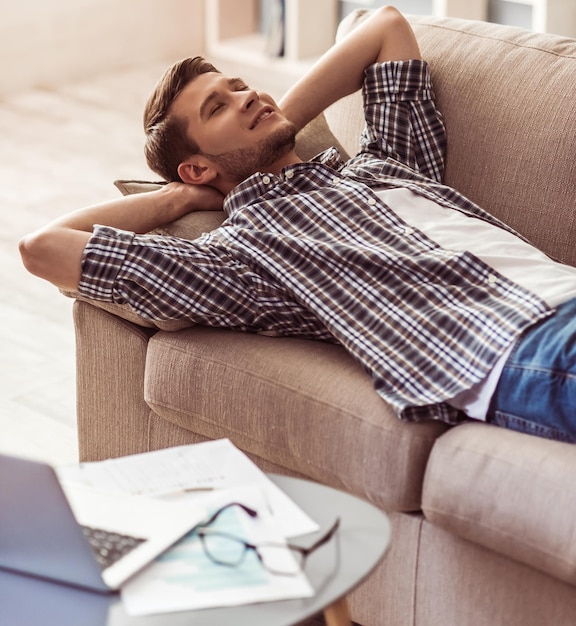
(43, 42)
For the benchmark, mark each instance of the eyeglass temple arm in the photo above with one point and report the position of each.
(246, 509)
(321, 541)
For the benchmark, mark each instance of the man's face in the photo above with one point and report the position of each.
(242, 131)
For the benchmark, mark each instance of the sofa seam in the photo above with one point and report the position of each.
(149, 428)
(466, 448)
(493, 38)
(501, 533)
(417, 569)
(201, 417)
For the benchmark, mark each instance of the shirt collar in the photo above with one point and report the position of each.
(330, 157)
(259, 183)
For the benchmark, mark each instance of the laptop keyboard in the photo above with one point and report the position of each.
(109, 547)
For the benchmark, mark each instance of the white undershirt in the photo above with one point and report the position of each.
(509, 255)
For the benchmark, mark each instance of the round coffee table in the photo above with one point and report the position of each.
(333, 571)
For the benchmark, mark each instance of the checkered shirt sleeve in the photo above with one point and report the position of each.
(402, 120)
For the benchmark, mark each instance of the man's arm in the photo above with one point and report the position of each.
(55, 252)
(385, 36)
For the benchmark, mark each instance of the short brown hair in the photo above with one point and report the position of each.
(167, 143)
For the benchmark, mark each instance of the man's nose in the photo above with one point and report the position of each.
(248, 98)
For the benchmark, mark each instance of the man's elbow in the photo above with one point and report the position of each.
(54, 255)
(33, 250)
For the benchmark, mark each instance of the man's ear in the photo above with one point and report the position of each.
(196, 172)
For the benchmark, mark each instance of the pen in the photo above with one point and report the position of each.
(187, 490)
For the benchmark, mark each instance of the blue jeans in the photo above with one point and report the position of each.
(536, 392)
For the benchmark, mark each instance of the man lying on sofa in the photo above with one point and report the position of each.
(450, 312)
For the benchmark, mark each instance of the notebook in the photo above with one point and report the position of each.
(46, 527)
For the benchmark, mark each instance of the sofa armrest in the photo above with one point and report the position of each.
(112, 416)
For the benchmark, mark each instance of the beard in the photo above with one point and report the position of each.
(243, 162)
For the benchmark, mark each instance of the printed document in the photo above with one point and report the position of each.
(193, 469)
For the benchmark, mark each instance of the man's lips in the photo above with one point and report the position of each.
(264, 114)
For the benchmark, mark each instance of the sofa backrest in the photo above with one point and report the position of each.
(508, 97)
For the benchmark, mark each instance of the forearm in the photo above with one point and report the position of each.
(385, 36)
(139, 213)
(55, 251)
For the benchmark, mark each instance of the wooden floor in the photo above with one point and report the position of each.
(61, 148)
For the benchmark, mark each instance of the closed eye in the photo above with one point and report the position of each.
(215, 109)
(237, 84)
(216, 100)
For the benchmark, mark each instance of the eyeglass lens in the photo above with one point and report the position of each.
(223, 545)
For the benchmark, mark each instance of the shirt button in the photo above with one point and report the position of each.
(492, 280)
(335, 180)
(266, 180)
(371, 202)
(290, 174)
(408, 231)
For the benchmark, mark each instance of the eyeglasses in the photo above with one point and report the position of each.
(284, 559)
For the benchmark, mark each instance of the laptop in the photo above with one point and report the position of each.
(48, 529)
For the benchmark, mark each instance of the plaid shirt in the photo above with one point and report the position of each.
(314, 252)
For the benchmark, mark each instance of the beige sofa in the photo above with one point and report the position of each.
(484, 519)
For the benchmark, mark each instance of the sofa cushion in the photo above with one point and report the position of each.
(301, 404)
(507, 491)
